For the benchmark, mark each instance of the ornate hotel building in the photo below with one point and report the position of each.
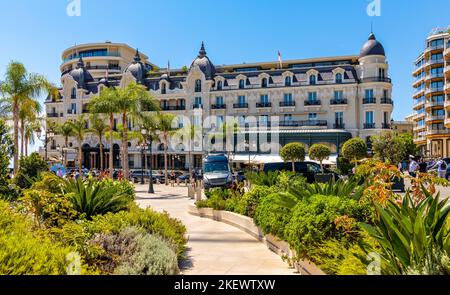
(317, 100)
(432, 95)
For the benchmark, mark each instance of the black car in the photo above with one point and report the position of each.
(306, 169)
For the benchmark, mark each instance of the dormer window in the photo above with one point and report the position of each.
(241, 84)
(338, 78)
(219, 85)
(264, 83)
(163, 88)
(198, 85)
(288, 81)
(312, 80)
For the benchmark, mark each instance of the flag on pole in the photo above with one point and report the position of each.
(168, 67)
(280, 60)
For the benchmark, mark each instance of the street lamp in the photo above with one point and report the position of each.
(142, 166)
(150, 183)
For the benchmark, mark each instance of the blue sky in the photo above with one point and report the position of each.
(36, 32)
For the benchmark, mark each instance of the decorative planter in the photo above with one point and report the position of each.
(246, 224)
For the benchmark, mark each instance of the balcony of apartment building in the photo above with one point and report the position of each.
(418, 92)
(433, 62)
(386, 125)
(434, 76)
(263, 105)
(434, 118)
(304, 123)
(369, 126)
(197, 106)
(418, 80)
(312, 103)
(286, 104)
(338, 101)
(386, 100)
(431, 90)
(95, 54)
(369, 100)
(53, 114)
(218, 106)
(434, 104)
(438, 131)
(418, 103)
(419, 116)
(419, 127)
(376, 79)
(447, 101)
(432, 48)
(240, 105)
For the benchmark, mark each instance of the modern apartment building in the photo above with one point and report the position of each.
(316, 100)
(431, 95)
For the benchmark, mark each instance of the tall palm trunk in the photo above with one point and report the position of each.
(16, 135)
(111, 126)
(79, 157)
(125, 146)
(22, 136)
(166, 174)
(26, 146)
(101, 152)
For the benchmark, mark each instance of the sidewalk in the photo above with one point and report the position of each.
(214, 248)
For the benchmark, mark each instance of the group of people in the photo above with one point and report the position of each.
(421, 166)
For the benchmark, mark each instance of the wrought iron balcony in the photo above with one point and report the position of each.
(173, 108)
(313, 103)
(218, 106)
(339, 101)
(287, 104)
(306, 123)
(240, 105)
(52, 115)
(369, 125)
(263, 104)
(376, 79)
(386, 100)
(369, 100)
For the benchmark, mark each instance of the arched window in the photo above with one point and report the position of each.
(198, 85)
(163, 88)
(338, 78)
(288, 81)
(312, 80)
(219, 85)
(264, 83)
(241, 84)
(73, 93)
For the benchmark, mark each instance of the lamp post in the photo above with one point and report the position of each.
(142, 166)
(145, 134)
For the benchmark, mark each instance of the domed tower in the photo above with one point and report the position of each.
(81, 75)
(204, 64)
(137, 68)
(375, 89)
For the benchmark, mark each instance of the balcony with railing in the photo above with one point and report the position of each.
(434, 48)
(369, 125)
(376, 79)
(430, 90)
(52, 115)
(433, 104)
(312, 103)
(287, 104)
(385, 100)
(197, 106)
(173, 108)
(433, 118)
(240, 105)
(434, 76)
(438, 131)
(305, 123)
(369, 100)
(97, 54)
(418, 103)
(218, 106)
(338, 101)
(263, 104)
(433, 62)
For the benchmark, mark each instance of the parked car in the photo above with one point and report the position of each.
(306, 169)
(217, 172)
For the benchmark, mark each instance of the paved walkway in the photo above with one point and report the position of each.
(214, 248)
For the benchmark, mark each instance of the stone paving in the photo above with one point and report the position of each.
(214, 248)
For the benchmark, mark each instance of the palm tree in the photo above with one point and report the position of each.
(149, 123)
(164, 125)
(18, 86)
(105, 103)
(29, 110)
(66, 130)
(190, 132)
(79, 131)
(132, 101)
(99, 128)
(30, 129)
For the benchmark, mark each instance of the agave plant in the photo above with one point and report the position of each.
(413, 238)
(341, 188)
(91, 197)
(262, 178)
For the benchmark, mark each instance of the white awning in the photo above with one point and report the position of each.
(263, 159)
